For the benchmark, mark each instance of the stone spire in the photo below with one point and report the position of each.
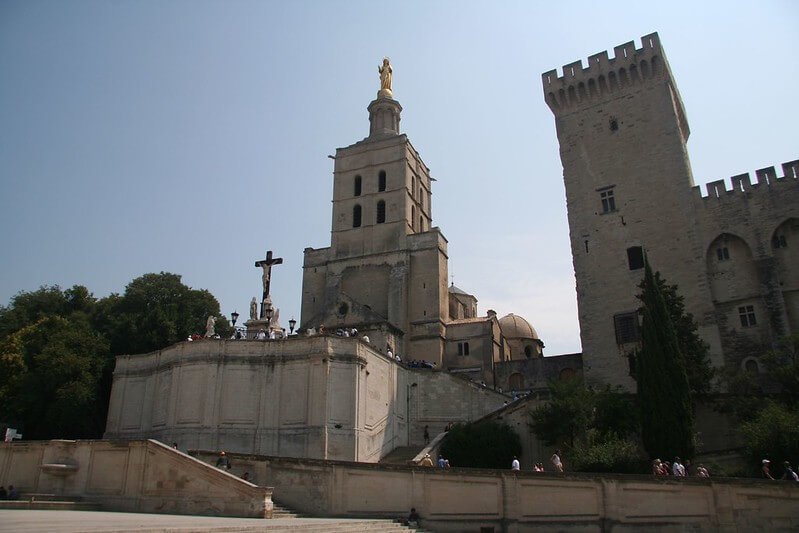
(384, 112)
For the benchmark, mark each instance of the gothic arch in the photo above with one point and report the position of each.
(785, 249)
(614, 86)
(592, 90)
(645, 69)
(603, 86)
(731, 269)
(655, 66)
(623, 78)
(634, 75)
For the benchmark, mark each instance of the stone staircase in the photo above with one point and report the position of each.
(402, 455)
(332, 525)
(51, 502)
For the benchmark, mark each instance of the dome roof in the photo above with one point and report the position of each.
(515, 327)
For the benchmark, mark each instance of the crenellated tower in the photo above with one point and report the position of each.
(622, 131)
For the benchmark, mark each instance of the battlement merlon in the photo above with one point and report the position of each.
(766, 177)
(580, 86)
(624, 54)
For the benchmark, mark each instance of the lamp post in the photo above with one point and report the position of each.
(233, 317)
(292, 323)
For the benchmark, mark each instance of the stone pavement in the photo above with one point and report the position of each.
(107, 522)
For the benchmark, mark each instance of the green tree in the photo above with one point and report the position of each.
(664, 395)
(27, 308)
(57, 364)
(772, 434)
(562, 420)
(596, 429)
(693, 349)
(155, 311)
(482, 444)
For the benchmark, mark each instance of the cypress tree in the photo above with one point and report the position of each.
(667, 421)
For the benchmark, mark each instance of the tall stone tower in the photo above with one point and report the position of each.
(622, 132)
(385, 271)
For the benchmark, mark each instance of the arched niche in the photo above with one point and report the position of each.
(731, 269)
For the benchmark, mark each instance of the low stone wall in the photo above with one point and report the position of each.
(473, 499)
(132, 476)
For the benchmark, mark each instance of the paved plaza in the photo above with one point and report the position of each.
(106, 522)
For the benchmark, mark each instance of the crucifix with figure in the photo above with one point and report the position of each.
(266, 264)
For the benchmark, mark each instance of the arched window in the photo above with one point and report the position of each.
(381, 211)
(381, 181)
(528, 351)
(421, 223)
(356, 216)
(644, 69)
(655, 66)
(421, 198)
(572, 95)
(751, 367)
(357, 185)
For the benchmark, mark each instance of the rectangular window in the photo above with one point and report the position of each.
(723, 253)
(608, 201)
(747, 315)
(779, 241)
(463, 348)
(635, 257)
(626, 325)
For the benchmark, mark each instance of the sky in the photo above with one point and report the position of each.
(192, 136)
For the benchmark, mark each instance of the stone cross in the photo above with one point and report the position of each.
(266, 264)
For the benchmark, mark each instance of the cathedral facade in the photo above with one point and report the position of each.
(630, 194)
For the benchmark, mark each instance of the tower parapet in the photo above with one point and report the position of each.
(765, 177)
(604, 77)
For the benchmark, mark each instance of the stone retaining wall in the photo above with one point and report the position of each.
(132, 476)
(463, 499)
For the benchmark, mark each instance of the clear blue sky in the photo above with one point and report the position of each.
(192, 136)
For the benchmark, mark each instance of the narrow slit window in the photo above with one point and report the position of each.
(381, 181)
(381, 212)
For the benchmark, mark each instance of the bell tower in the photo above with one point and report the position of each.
(385, 258)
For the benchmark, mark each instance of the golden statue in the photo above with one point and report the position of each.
(385, 78)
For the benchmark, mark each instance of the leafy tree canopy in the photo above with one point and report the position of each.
(57, 348)
(595, 429)
(155, 311)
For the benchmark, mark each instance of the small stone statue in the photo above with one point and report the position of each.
(209, 326)
(253, 309)
(385, 77)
